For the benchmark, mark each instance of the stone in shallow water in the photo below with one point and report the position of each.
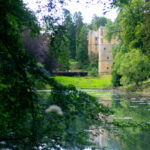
(125, 118)
(116, 99)
(143, 99)
(133, 98)
(87, 130)
(110, 118)
(134, 106)
(134, 101)
(142, 103)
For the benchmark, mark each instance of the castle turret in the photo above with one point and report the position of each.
(105, 54)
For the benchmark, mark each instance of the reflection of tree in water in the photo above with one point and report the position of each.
(116, 101)
(130, 108)
(126, 105)
(131, 140)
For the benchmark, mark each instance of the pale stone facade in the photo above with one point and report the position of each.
(93, 43)
(100, 46)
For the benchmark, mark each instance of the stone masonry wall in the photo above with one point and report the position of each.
(93, 43)
(98, 45)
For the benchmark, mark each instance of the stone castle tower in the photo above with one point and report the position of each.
(100, 47)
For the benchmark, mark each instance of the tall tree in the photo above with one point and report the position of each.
(18, 98)
(131, 18)
(137, 66)
(82, 49)
(97, 22)
(59, 47)
(38, 47)
(146, 27)
(78, 22)
(113, 30)
(71, 33)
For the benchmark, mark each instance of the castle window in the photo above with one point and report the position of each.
(96, 38)
(107, 57)
(107, 68)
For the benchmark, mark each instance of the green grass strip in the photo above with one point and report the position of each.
(88, 82)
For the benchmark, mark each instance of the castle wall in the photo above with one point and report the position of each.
(97, 39)
(93, 43)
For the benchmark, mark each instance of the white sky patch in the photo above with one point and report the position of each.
(87, 12)
(36, 5)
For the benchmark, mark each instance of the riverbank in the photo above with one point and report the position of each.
(100, 82)
(142, 88)
(88, 82)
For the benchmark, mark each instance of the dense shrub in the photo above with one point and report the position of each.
(93, 72)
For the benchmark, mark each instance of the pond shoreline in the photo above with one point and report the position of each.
(144, 92)
(138, 90)
(117, 90)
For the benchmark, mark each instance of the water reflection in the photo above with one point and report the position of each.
(128, 107)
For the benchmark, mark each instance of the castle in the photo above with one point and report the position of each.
(99, 47)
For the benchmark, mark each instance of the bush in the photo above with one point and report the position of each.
(94, 64)
(93, 72)
(115, 77)
(134, 67)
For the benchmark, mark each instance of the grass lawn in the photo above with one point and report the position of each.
(88, 82)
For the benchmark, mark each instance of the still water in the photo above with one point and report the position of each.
(129, 108)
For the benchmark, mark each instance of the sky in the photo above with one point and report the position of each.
(87, 12)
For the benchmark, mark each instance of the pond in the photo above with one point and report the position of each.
(129, 108)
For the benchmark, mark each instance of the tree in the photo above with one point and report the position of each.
(82, 49)
(131, 19)
(97, 22)
(71, 33)
(134, 67)
(146, 28)
(118, 51)
(17, 97)
(120, 3)
(131, 23)
(64, 54)
(113, 30)
(78, 22)
(38, 47)
(59, 47)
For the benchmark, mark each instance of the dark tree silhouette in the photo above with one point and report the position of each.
(38, 47)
